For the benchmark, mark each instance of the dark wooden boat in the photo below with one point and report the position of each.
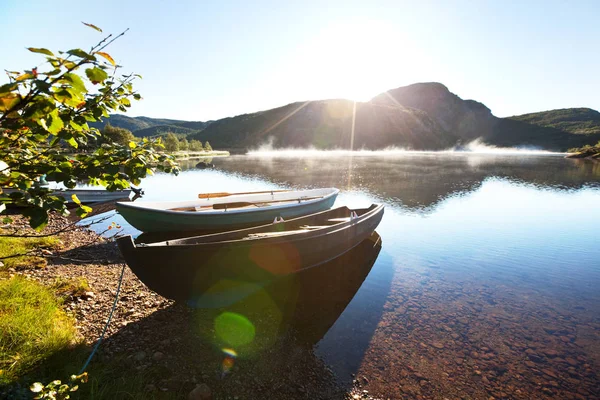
(306, 304)
(182, 269)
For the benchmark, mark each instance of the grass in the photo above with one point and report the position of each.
(15, 245)
(70, 287)
(33, 327)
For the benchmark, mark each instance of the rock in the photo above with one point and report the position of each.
(140, 356)
(438, 345)
(572, 361)
(89, 295)
(550, 373)
(536, 359)
(200, 392)
(150, 388)
(157, 356)
(551, 353)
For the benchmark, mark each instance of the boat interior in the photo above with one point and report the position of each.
(247, 201)
(244, 205)
(278, 228)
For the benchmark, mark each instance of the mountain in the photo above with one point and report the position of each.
(145, 126)
(581, 121)
(467, 119)
(422, 116)
(327, 124)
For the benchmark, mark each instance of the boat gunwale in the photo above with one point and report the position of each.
(137, 207)
(301, 235)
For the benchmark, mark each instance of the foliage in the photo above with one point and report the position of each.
(113, 134)
(587, 149)
(21, 245)
(207, 146)
(583, 121)
(196, 145)
(58, 390)
(44, 119)
(148, 127)
(163, 130)
(171, 143)
(32, 326)
(184, 145)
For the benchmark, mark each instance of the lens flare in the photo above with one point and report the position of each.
(234, 329)
(228, 361)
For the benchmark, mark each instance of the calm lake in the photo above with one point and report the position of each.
(488, 279)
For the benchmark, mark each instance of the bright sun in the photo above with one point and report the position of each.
(354, 60)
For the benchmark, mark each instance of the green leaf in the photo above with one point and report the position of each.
(7, 88)
(82, 211)
(24, 77)
(107, 57)
(36, 387)
(40, 50)
(96, 75)
(56, 124)
(38, 218)
(81, 54)
(92, 26)
(76, 126)
(75, 81)
(73, 142)
(42, 86)
(8, 101)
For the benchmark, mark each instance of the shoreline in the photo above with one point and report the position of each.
(199, 155)
(151, 335)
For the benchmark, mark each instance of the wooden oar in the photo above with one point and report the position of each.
(225, 194)
(239, 204)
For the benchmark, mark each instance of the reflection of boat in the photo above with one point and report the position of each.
(85, 196)
(312, 300)
(184, 268)
(225, 213)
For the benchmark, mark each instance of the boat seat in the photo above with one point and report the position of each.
(345, 219)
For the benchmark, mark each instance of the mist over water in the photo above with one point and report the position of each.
(476, 146)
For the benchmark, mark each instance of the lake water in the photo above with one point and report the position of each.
(488, 278)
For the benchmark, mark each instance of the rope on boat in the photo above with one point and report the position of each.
(107, 323)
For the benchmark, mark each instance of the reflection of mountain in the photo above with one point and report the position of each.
(416, 181)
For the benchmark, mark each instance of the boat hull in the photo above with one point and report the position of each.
(182, 272)
(152, 220)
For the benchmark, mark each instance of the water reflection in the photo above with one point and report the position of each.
(416, 181)
(305, 304)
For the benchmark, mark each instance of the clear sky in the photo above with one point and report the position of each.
(206, 60)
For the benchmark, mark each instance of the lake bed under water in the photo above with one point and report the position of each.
(487, 283)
